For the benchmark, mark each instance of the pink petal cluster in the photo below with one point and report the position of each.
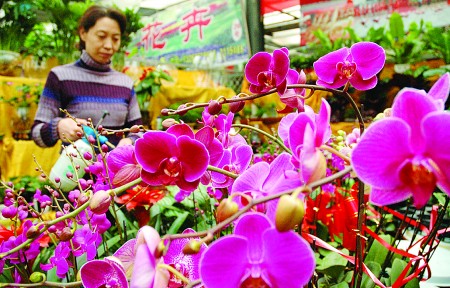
(257, 255)
(172, 158)
(406, 154)
(358, 65)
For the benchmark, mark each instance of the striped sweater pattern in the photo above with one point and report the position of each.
(86, 89)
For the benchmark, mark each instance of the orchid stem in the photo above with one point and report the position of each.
(174, 272)
(335, 152)
(268, 135)
(227, 173)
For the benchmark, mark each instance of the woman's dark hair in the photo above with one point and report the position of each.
(96, 12)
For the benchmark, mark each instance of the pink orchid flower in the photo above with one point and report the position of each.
(406, 154)
(265, 71)
(171, 159)
(358, 65)
(257, 255)
(103, 273)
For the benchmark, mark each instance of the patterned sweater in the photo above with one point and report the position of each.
(86, 89)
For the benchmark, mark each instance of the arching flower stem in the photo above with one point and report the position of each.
(279, 142)
(174, 272)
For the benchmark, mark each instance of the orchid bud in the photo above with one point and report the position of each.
(192, 247)
(236, 106)
(82, 198)
(105, 148)
(91, 139)
(214, 107)
(87, 155)
(181, 107)
(37, 277)
(100, 202)
(135, 129)
(65, 234)
(9, 212)
(165, 112)
(166, 123)
(290, 212)
(226, 209)
(32, 232)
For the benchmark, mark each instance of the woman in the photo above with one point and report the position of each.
(89, 87)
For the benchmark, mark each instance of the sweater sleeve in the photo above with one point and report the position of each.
(44, 131)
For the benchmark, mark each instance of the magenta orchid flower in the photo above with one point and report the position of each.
(304, 133)
(103, 273)
(214, 147)
(358, 65)
(257, 255)
(235, 160)
(145, 271)
(187, 265)
(265, 71)
(60, 260)
(440, 90)
(169, 159)
(226, 133)
(406, 154)
(262, 179)
(293, 98)
(123, 165)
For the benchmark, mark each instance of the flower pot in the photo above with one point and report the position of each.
(10, 63)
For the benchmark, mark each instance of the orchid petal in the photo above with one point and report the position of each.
(436, 131)
(224, 263)
(153, 148)
(369, 58)
(252, 179)
(120, 156)
(441, 89)
(382, 197)
(180, 129)
(126, 255)
(412, 106)
(194, 158)
(363, 84)
(297, 130)
(325, 66)
(323, 127)
(380, 152)
(258, 63)
(280, 65)
(252, 227)
(288, 257)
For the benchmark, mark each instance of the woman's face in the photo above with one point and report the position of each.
(102, 40)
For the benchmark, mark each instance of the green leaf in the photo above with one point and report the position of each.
(377, 252)
(397, 268)
(396, 27)
(340, 285)
(376, 270)
(177, 223)
(333, 265)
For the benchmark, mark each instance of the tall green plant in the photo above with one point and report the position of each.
(403, 46)
(438, 40)
(18, 19)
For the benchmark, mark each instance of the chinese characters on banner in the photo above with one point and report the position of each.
(213, 30)
(333, 17)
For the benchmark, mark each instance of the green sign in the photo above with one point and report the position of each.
(202, 32)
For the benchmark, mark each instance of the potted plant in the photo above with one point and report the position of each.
(149, 84)
(25, 98)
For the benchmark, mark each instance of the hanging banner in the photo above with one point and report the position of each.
(194, 33)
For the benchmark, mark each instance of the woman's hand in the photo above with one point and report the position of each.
(70, 130)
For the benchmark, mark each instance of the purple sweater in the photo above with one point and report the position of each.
(86, 89)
